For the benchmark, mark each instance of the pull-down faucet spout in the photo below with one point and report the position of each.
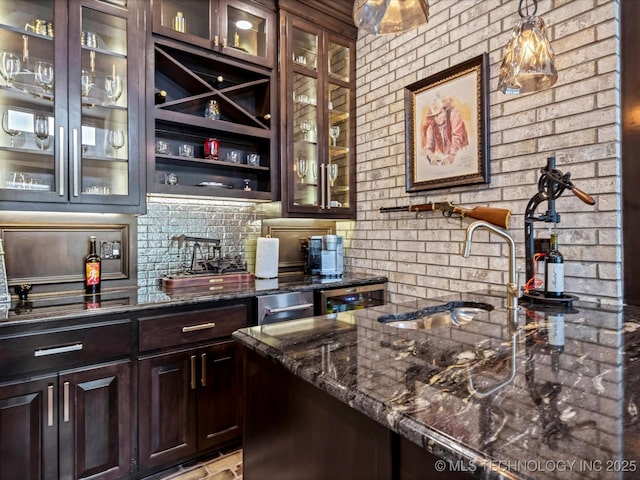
(512, 284)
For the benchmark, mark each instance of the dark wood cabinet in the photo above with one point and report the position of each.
(191, 73)
(65, 400)
(317, 108)
(72, 107)
(189, 384)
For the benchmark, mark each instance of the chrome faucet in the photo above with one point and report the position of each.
(512, 285)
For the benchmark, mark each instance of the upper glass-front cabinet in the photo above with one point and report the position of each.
(235, 28)
(318, 173)
(69, 129)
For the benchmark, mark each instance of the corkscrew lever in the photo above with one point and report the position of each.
(566, 182)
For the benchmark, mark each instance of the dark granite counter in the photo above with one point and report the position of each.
(570, 410)
(58, 306)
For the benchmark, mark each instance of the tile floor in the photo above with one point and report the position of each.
(227, 466)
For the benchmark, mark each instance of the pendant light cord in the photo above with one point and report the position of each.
(526, 7)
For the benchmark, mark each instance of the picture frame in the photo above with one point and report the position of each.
(447, 127)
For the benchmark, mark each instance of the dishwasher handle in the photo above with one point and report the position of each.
(291, 308)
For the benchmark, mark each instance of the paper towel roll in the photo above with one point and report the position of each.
(267, 257)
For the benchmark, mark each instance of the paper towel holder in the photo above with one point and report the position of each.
(267, 256)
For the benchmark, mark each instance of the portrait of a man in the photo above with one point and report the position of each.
(443, 132)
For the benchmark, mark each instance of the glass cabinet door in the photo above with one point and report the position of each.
(99, 143)
(338, 128)
(306, 164)
(233, 27)
(28, 143)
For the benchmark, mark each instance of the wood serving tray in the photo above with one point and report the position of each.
(199, 280)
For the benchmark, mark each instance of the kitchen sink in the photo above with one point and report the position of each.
(451, 314)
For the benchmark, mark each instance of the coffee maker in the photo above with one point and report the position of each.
(325, 255)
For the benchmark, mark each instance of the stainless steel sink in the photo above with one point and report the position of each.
(452, 314)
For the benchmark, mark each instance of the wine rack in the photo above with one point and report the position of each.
(191, 77)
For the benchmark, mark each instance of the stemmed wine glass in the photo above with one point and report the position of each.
(115, 138)
(12, 132)
(86, 82)
(113, 88)
(44, 75)
(305, 128)
(10, 67)
(334, 133)
(333, 173)
(41, 130)
(301, 168)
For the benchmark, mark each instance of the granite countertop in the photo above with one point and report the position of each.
(39, 308)
(570, 411)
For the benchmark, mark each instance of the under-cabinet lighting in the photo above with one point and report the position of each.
(244, 24)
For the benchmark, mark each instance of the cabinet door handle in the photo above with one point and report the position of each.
(61, 162)
(203, 364)
(194, 328)
(292, 308)
(65, 402)
(193, 372)
(50, 406)
(323, 181)
(75, 162)
(43, 352)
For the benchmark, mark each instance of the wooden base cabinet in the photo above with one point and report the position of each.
(72, 425)
(189, 402)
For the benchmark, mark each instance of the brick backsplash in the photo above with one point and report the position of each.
(577, 121)
(236, 224)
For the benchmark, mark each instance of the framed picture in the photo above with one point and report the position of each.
(447, 125)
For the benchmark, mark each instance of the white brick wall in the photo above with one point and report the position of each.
(577, 121)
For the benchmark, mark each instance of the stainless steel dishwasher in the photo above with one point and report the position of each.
(281, 307)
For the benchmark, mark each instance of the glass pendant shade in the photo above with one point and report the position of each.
(382, 17)
(527, 65)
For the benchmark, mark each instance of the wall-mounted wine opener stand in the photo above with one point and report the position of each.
(551, 185)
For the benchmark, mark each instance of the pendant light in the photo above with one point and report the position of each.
(527, 65)
(382, 17)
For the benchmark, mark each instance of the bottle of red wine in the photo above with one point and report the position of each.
(554, 270)
(92, 264)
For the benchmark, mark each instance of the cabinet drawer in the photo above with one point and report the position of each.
(64, 346)
(180, 328)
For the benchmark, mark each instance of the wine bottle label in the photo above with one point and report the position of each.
(555, 277)
(92, 273)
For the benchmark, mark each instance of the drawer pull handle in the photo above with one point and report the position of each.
(273, 311)
(195, 328)
(216, 280)
(50, 406)
(43, 352)
(193, 372)
(65, 402)
(203, 361)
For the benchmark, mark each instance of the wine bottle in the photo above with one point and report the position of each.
(92, 272)
(554, 270)
(161, 97)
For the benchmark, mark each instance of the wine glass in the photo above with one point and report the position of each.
(86, 82)
(115, 138)
(12, 132)
(333, 173)
(41, 130)
(113, 88)
(44, 75)
(301, 168)
(10, 67)
(305, 128)
(334, 132)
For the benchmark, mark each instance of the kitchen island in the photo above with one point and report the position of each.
(346, 396)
